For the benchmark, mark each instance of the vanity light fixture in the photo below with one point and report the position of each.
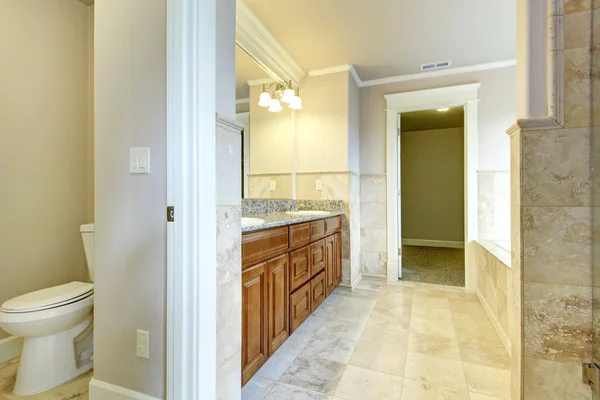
(443, 109)
(276, 93)
(275, 106)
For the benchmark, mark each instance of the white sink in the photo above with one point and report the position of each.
(252, 221)
(308, 213)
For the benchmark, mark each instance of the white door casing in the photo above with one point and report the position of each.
(398, 103)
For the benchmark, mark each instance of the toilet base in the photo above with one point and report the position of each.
(48, 362)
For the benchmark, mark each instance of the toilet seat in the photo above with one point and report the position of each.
(45, 299)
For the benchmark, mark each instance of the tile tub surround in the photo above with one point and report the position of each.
(77, 389)
(492, 287)
(404, 341)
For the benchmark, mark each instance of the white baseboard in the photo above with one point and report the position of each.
(378, 278)
(488, 310)
(433, 243)
(100, 390)
(10, 348)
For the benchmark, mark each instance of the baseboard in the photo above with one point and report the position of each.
(100, 390)
(488, 310)
(10, 348)
(378, 278)
(433, 243)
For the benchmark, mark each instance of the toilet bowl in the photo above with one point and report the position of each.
(56, 324)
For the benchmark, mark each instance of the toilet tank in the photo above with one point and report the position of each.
(87, 234)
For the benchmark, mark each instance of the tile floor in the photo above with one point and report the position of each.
(403, 341)
(77, 389)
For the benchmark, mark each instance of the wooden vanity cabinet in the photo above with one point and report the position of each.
(330, 281)
(278, 283)
(287, 272)
(338, 257)
(255, 348)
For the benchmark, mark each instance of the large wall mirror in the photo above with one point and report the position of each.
(268, 149)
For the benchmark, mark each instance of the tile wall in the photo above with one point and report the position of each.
(229, 260)
(553, 246)
(373, 225)
(493, 190)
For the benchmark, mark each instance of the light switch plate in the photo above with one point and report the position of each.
(273, 185)
(139, 160)
(142, 344)
(319, 184)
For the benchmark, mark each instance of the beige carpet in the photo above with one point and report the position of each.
(437, 265)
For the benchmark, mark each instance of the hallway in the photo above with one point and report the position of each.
(406, 341)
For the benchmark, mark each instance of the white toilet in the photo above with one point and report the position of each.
(56, 324)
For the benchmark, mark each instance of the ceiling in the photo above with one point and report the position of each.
(246, 69)
(385, 38)
(432, 119)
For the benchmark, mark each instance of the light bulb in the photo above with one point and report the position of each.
(265, 99)
(443, 109)
(296, 103)
(288, 96)
(275, 106)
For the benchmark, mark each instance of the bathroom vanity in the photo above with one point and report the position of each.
(289, 267)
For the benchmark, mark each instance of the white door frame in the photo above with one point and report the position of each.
(191, 189)
(398, 103)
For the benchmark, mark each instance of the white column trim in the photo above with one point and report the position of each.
(191, 188)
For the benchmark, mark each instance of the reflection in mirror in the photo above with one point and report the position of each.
(267, 159)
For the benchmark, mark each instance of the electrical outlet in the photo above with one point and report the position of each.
(273, 185)
(319, 184)
(143, 344)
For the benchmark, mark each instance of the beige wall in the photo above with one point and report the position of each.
(44, 144)
(433, 185)
(496, 112)
(322, 127)
(130, 111)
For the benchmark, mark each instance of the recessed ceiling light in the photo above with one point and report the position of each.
(443, 109)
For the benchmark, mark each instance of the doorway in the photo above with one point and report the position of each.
(462, 96)
(432, 200)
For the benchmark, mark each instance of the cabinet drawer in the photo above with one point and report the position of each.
(300, 306)
(299, 235)
(318, 290)
(317, 229)
(299, 267)
(259, 246)
(332, 225)
(317, 257)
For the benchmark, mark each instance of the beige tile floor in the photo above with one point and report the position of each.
(405, 341)
(77, 389)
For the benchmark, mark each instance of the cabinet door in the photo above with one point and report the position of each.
(317, 257)
(299, 267)
(300, 306)
(317, 291)
(254, 320)
(279, 323)
(338, 258)
(329, 264)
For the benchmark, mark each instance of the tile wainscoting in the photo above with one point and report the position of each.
(493, 192)
(373, 225)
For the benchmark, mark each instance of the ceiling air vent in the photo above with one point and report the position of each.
(437, 65)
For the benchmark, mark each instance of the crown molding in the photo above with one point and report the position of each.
(443, 72)
(534, 124)
(256, 40)
(337, 69)
(263, 81)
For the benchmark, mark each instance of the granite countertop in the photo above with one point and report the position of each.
(275, 219)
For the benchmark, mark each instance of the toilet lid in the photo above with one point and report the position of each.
(48, 298)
